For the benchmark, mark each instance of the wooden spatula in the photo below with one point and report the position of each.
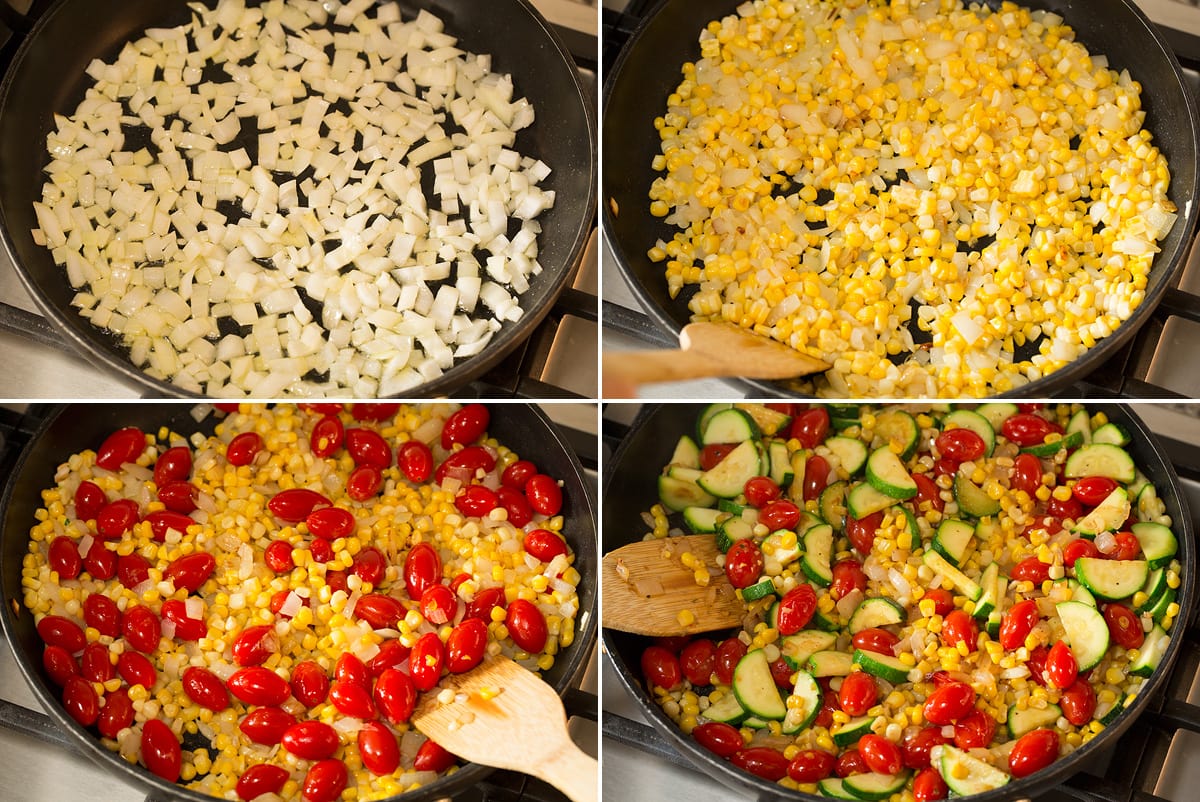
(507, 717)
(645, 587)
(711, 349)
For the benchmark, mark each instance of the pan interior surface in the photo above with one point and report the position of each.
(48, 78)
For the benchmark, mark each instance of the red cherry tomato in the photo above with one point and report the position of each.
(1028, 429)
(438, 604)
(718, 737)
(244, 448)
(186, 628)
(349, 669)
(1064, 508)
(1037, 664)
(1124, 626)
(327, 436)
(295, 504)
(364, 482)
(368, 447)
(123, 445)
(191, 571)
(948, 703)
(278, 556)
(164, 521)
(378, 748)
(1125, 547)
(432, 757)
(89, 500)
(256, 685)
(1091, 490)
(94, 664)
(743, 563)
(484, 602)
(465, 465)
(1031, 569)
(544, 544)
(395, 695)
(172, 465)
(391, 654)
(661, 668)
(378, 411)
(874, 639)
(64, 557)
(810, 427)
(796, 609)
(1079, 548)
(179, 496)
(698, 660)
(422, 568)
(544, 494)
(136, 669)
(259, 779)
(761, 761)
(132, 569)
(1078, 702)
(782, 672)
(310, 740)
(829, 705)
(518, 474)
(205, 688)
(426, 661)
(370, 565)
(1032, 752)
(928, 785)
(974, 731)
(960, 445)
(515, 505)
(116, 518)
(943, 600)
(142, 628)
(378, 610)
(811, 765)
(858, 693)
(466, 425)
(330, 523)
(712, 454)
(116, 713)
(1017, 623)
(760, 491)
(352, 699)
(779, 514)
(310, 683)
(848, 576)
(59, 664)
(466, 645)
(958, 626)
(729, 653)
(1026, 473)
(1061, 666)
(880, 754)
(816, 477)
(526, 625)
(253, 645)
(861, 531)
(916, 747)
(100, 562)
(476, 501)
(850, 762)
(928, 493)
(161, 752)
(325, 781)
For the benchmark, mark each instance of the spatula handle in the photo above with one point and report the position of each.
(643, 367)
(571, 771)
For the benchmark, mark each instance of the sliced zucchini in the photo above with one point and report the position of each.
(882, 665)
(1081, 422)
(990, 582)
(796, 649)
(887, 474)
(898, 427)
(953, 540)
(728, 477)
(702, 520)
(731, 530)
(1078, 592)
(1151, 653)
(1049, 448)
(707, 415)
(801, 715)
(679, 494)
(843, 416)
(876, 612)
(874, 785)
(1100, 459)
(862, 499)
(728, 710)
(769, 421)
(729, 426)
(781, 463)
(850, 452)
(1159, 610)
(997, 412)
(1112, 580)
(1118, 707)
(834, 788)
(755, 687)
(1086, 632)
(686, 454)
(970, 419)
(849, 733)
(759, 590)
(683, 472)
(964, 774)
(1149, 505)
(1107, 516)
(966, 586)
(1158, 542)
(734, 507)
(1155, 587)
(971, 498)
(818, 546)
(832, 505)
(1031, 718)
(1111, 434)
(826, 622)
(830, 663)
(795, 490)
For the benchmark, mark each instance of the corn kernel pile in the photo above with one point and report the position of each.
(234, 524)
(844, 174)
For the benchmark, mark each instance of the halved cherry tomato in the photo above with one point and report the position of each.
(1091, 490)
(466, 645)
(1017, 623)
(761, 761)
(466, 425)
(874, 639)
(1037, 664)
(259, 779)
(729, 653)
(958, 627)
(974, 730)
(142, 628)
(810, 427)
(191, 571)
(698, 660)
(161, 752)
(848, 576)
(1079, 548)
(948, 703)
(123, 445)
(327, 436)
(960, 445)
(760, 491)
(368, 447)
(1061, 665)
(1028, 429)
(116, 713)
(295, 504)
(422, 568)
(172, 465)
(928, 785)
(136, 669)
(116, 518)
(310, 683)
(544, 494)
(426, 661)
(1124, 626)
(544, 544)
(94, 664)
(244, 448)
(256, 685)
(526, 625)
(796, 609)
(325, 781)
(816, 477)
(59, 664)
(859, 692)
(1032, 752)
(718, 737)
(861, 531)
(1026, 473)
(89, 500)
(278, 556)
(395, 695)
(518, 474)
(352, 699)
(811, 765)
(916, 747)
(743, 563)
(310, 740)
(779, 514)
(1078, 702)
(880, 754)
(205, 688)
(378, 747)
(432, 757)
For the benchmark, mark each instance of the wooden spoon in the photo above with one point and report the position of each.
(711, 349)
(505, 716)
(645, 587)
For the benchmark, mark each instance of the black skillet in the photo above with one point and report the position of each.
(648, 70)
(47, 77)
(74, 428)
(630, 488)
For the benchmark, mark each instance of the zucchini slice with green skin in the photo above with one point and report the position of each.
(1112, 580)
(1159, 610)
(997, 412)
(953, 540)
(796, 649)
(770, 422)
(875, 786)
(759, 590)
(830, 663)
(966, 586)
(887, 474)
(876, 612)
(862, 500)
(832, 505)
(970, 419)
(1111, 434)
(834, 788)
(1086, 632)
(731, 530)
(964, 774)
(686, 454)
(852, 730)
(801, 716)
(679, 494)
(1151, 653)
(1101, 459)
(1051, 447)
(992, 592)
(818, 546)
(850, 452)
(1149, 505)
(702, 520)
(781, 463)
(727, 479)
(843, 416)
(707, 415)
(795, 490)
(733, 507)
(1081, 422)
(1155, 587)
(728, 710)
(826, 622)
(1158, 542)
(755, 687)
(730, 426)
(897, 426)
(972, 499)
(1116, 710)
(1020, 722)
(1107, 516)
(881, 665)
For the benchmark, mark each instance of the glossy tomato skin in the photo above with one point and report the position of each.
(136, 669)
(1091, 490)
(1037, 664)
(352, 699)
(728, 654)
(928, 492)
(116, 713)
(89, 500)
(80, 700)
(796, 609)
(368, 447)
(432, 757)
(59, 664)
(426, 661)
(331, 523)
(661, 668)
(1032, 752)
(465, 465)
(116, 518)
(310, 740)
(370, 565)
(949, 703)
(253, 645)
(94, 664)
(179, 496)
(1061, 666)
(58, 630)
(205, 688)
(172, 465)
(1079, 548)
(816, 477)
(476, 501)
(859, 692)
(928, 785)
(374, 411)
(518, 474)
(779, 514)
(959, 627)
(278, 556)
(100, 561)
(783, 673)
(761, 761)
(378, 747)
(466, 645)
(960, 445)
(1031, 569)
(544, 494)
(378, 610)
(327, 436)
(484, 602)
(142, 628)
(1125, 547)
(256, 685)
(698, 660)
(161, 752)
(466, 425)
(1078, 702)
(191, 571)
(266, 725)
(325, 781)
(974, 731)
(1064, 508)
(364, 482)
(64, 557)
(1028, 429)
(743, 563)
(526, 625)
(102, 613)
(1017, 623)
(916, 747)
(123, 445)
(719, 738)
(295, 504)
(395, 695)
(392, 654)
(850, 762)
(848, 576)
(880, 754)
(712, 454)
(861, 531)
(811, 765)
(1026, 473)
(259, 779)
(1124, 626)
(544, 544)
(760, 491)
(422, 568)
(943, 601)
(244, 448)
(874, 639)
(810, 427)
(164, 521)
(515, 505)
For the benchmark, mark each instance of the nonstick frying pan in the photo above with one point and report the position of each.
(47, 77)
(74, 428)
(648, 70)
(630, 488)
